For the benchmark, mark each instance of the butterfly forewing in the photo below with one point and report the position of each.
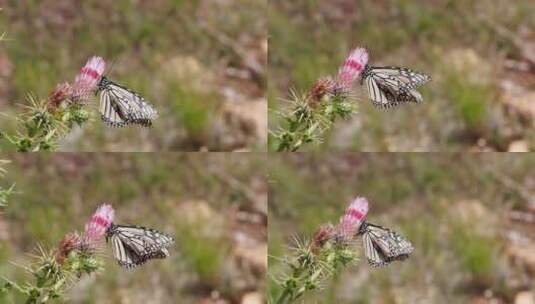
(132, 103)
(134, 245)
(390, 86)
(120, 106)
(382, 245)
(402, 77)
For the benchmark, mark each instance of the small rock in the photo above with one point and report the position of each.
(255, 255)
(518, 146)
(525, 254)
(200, 214)
(189, 72)
(242, 123)
(519, 99)
(468, 62)
(252, 298)
(525, 297)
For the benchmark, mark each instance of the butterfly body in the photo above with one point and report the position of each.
(120, 106)
(382, 245)
(391, 86)
(134, 245)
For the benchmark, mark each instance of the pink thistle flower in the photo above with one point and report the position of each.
(353, 218)
(353, 66)
(86, 81)
(101, 220)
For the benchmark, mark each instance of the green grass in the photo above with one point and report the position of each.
(205, 254)
(477, 253)
(470, 100)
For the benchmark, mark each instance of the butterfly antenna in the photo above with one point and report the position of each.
(113, 64)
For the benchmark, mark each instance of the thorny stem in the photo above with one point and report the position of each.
(311, 268)
(310, 117)
(42, 124)
(52, 277)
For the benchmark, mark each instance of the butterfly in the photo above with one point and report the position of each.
(132, 246)
(390, 86)
(382, 245)
(120, 106)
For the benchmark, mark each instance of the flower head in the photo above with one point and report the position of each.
(101, 220)
(86, 81)
(353, 218)
(67, 244)
(60, 93)
(353, 66)
(322, 236)
(323, 86)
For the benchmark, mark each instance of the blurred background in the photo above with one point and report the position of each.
(471, 219)
(214, 205)
(480, 55)
(201, 63)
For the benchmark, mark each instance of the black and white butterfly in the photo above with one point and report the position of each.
(390, 86)
(133, 245)
(120, 106)
(382, 245)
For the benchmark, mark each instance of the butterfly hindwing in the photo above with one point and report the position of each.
(377, 95)
(375, 257)
(125, 256)
(109, 111)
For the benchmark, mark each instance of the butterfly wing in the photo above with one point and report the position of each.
(374, 256)
(125, 256)
(130, 106)
(136, 107)
(134, 245)
(379, 96)
(390, 243)
(109, 112)
(401, 77)
(161, 254)
(398, 85)
(144, 241)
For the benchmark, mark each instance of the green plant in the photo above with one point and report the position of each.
(54, 271)
(313, 263)
(45, 121)
(312, 114)
(53, 275)
(330, 250)
(4, 193)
